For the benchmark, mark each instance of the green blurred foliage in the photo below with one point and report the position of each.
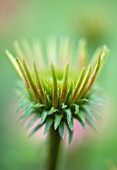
(96, 20)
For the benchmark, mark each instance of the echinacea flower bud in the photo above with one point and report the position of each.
(58, 92)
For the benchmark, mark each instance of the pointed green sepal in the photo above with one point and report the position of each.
(81, 118)
(76, 108)
(57, 121)
(70, 135)
(68, 115)
(49, 123)
(71, 124)
(43, 116)
(62, 129)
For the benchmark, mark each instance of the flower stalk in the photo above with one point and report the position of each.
(52, 151)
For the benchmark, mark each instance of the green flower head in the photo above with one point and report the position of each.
(58, 87)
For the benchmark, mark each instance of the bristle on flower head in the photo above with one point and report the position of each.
(58, 93)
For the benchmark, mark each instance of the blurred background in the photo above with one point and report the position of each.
(40, 19)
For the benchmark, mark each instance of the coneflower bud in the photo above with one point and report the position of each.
(58, 92)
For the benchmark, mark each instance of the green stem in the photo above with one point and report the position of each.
(52, 150)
